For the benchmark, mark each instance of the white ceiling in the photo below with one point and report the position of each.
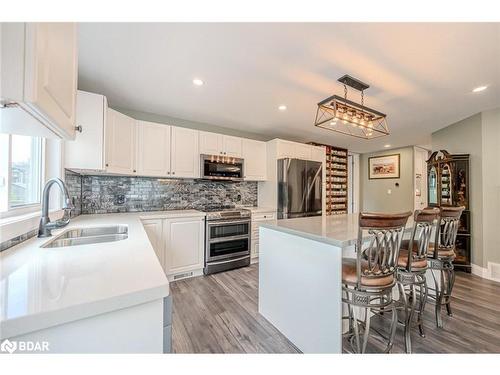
(421, 75)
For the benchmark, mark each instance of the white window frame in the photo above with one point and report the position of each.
(13, 211)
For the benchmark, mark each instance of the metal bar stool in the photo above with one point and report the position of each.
(412, 266)
(369, 279)
(440, 258)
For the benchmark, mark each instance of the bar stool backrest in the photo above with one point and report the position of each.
(425, 223)
(448, 228)
(383, 234)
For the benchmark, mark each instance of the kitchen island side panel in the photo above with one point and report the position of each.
(300, 290)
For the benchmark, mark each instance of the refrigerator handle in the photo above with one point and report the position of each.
(311, 185)
(305, 189)
(283, 166)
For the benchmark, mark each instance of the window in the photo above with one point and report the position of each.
(21, 172)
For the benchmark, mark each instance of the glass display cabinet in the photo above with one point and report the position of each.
(448, 185)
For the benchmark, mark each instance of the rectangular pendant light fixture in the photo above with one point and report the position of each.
(347, 117)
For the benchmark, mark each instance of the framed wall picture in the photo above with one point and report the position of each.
(386, 166)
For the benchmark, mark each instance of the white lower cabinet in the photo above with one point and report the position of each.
(183, 240)
(179, 244)
(154, 230)
(259, 218)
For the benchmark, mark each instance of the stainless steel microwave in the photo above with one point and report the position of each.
(224, 168)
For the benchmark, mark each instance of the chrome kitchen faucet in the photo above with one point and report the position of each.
(46, 226)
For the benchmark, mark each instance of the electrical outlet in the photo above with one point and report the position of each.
(120, 199)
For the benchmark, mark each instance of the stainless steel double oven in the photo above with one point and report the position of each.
(227, 244)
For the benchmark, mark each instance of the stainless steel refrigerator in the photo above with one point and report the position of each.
(299, 188)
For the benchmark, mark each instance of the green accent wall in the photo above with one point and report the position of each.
(465, 137)
(373, 193)
(479, 136)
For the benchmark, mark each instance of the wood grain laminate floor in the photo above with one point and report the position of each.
(219, 314)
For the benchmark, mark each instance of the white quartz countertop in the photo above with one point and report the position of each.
(337, 230)
(257, 209)
(44, 287)
(261, 209)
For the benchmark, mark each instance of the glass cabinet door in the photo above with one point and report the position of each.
(460, 184)
(446, 185)
(433, 186)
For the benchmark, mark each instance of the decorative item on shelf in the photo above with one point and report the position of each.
(384, 166)
(336, 179)
(448, 185)
(347, 117)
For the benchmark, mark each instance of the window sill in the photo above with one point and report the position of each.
(14, 226)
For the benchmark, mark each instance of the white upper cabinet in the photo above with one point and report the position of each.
(86, 151)
(303, 151)
(112, 142)
(318, 153)
(219, 144)
(211, 143)
(285, 149)
(39, 72)
(185, 155)
(255, 161)
(120, 143)
(153, 149)
(232, 146)
(295, 150)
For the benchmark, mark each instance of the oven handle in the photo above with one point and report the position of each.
(227, 239)
(229, 260)
(217, 223)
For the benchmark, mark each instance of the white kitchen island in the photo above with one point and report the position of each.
(300, 274)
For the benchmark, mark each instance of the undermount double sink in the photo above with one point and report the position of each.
(87, 236)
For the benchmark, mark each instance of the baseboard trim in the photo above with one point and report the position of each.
(493, 271)
(485, 272)
(478, 270)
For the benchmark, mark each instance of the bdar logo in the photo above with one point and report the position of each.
(8, 346)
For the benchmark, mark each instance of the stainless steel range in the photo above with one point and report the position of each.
(227, 243)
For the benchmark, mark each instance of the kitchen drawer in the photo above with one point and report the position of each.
(260, 216)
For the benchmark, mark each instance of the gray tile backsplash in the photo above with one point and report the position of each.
(17, 240)
(74, 184)
(107, 194)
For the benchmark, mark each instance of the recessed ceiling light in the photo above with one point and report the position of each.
(282, 107)
(198, 82)
(480, 88)
(387, 146)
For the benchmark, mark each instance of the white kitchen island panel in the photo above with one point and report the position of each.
(300, 289)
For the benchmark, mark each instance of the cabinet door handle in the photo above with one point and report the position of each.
(135, 171)
(168, 172)
(107, 165)
(173, 172)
